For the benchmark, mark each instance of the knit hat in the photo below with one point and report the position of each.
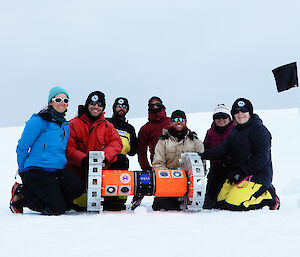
(121, 101)
(95, 96)
(55, 91)
(222, 109)
(241, 104)
(178, 114)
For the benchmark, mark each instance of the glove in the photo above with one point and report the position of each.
(85, 163)
(235, 177)
(204, 155)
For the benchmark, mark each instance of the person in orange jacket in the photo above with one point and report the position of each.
(90, 131)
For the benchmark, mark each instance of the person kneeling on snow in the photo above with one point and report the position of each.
(90, 131)
(176, 140)
(220, 128)
(48, 187)
(249, 181)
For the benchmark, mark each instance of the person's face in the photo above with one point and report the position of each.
(178, 124)
(121, 109)
(154, 104)
(241, 117)
(94, 109)
(59, 103)
(221, 120)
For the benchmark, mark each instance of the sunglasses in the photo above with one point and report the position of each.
(122, 106)
(221, 116)
(94, 103)
(243, 110)
(59, 100)
(178, 120)
(156, 104)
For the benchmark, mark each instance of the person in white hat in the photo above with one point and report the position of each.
(220, 128)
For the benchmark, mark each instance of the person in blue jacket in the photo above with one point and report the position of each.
(249, 180)
(47, 186)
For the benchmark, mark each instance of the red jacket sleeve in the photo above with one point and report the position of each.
(74, 155)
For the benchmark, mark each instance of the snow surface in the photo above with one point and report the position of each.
(146, 233)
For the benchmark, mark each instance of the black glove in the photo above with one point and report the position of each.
(85, 163)
(204, 155)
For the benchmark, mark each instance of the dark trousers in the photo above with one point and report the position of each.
(215, 180)
(50, 193)
(121, 164)
(116, 203)
(166, 203)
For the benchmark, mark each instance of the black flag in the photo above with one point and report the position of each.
(286, 76)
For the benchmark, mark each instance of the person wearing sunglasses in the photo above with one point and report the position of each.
(126, 132)
(149, 134)
(47, 186)
(220, 128)
(90, 131)
(124, 129)
(249, 182)
(151, 131)
(176, 140)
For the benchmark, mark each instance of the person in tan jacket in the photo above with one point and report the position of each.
(176, 140)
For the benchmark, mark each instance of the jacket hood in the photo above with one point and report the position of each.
(157, 116)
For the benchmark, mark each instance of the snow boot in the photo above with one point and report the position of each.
(16, 199)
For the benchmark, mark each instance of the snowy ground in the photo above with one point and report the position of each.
(147, 233)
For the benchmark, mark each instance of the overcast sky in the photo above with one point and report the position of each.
(193, 54)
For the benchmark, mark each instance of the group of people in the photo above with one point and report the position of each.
(53, 154)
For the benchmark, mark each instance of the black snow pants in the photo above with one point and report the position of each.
(215, 180)
(50, 193)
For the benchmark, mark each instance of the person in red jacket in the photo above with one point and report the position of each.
(220, 129)
(90, 131)
(149, 134)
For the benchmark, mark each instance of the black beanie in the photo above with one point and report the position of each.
(178, 114)
(242, 103)
(120, 101)
(95, 96)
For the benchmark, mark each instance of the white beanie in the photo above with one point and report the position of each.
(222, 108)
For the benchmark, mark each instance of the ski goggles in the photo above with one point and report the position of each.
(59, 100)
(122, 106)
(243, 110)
(178, 120)
(94, 103)
(221, 116)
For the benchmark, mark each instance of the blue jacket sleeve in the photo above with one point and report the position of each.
(30, 133)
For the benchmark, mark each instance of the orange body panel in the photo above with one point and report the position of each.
(117, 182)
(170, 183)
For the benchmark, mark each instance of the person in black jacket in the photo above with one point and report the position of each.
(249, 182)
(128, 136)
(125, 130)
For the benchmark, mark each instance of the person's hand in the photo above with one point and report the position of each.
(85, 163)
(236, 177)
(203, 156)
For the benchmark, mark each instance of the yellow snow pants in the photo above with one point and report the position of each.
(245, 196)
